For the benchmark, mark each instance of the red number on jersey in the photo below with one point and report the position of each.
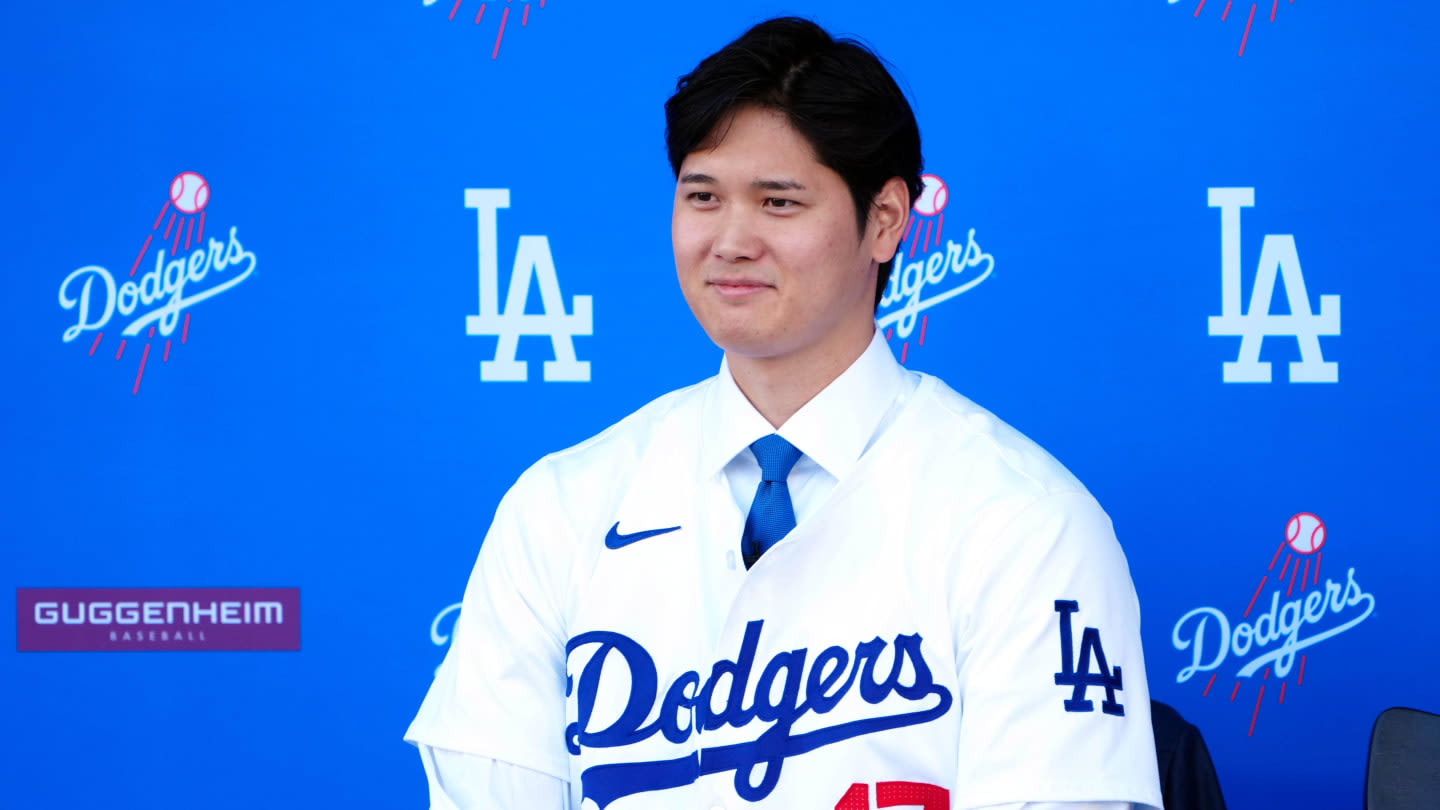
(912, 794)
(856, 798)
(895, 794)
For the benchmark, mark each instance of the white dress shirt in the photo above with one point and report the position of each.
(833, 431)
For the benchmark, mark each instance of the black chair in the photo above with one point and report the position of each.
(1403, 772)
(1187, 774)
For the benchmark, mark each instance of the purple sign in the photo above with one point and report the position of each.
(156, 619)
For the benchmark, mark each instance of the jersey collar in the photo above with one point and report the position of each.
(834, 428)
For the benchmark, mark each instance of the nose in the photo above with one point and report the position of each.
(737, 238)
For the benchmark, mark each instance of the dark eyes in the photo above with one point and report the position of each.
(769, 202)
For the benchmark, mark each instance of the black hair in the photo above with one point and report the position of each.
(836, 93)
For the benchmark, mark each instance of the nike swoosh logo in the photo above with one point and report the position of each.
(614, 539)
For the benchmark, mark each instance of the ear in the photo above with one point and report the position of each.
(889, 214)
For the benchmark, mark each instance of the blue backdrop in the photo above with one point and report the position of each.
(324, 425)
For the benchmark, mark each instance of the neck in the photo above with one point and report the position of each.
(781, 385)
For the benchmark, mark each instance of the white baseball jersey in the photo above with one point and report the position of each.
(952, 626)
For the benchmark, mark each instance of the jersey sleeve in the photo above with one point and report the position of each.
(500, 691)
(461, 781)
(1054, 704)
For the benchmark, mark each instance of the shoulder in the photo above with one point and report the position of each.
(1002, 502)
(965, 435)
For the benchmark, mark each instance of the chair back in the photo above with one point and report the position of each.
(1187, 774)
(1403, 772)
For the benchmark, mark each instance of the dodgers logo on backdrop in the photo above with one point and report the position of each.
(438, 636)
(1279, 262)
(1222, 10)
(177, 280)
(532, 261)
(1298, 614)
(503, 16)
(942, 270)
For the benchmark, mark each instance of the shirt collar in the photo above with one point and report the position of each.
(834, 428)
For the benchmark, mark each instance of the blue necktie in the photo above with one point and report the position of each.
(771, 514)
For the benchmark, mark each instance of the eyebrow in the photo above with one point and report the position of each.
(778, 185)
(765, 184)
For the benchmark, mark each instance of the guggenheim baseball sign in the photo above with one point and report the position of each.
(156, 619)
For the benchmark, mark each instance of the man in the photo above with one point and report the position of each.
(815, 580)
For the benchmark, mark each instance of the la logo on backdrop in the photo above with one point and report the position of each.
(533, 261)
(1288, 620)
(928, 271)
(1279, 262)
(177, 279)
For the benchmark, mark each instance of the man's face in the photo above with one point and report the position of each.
(766, 246)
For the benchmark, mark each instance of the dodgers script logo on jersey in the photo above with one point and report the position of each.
(172, 285)
(1279, 261)
(686, 707)
(950, 268)
(1308, 615)
(532, 261)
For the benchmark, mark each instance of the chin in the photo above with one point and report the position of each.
(748, 340)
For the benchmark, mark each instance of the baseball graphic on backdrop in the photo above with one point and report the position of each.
(933, 197)
(1305, 533)
(189, 192)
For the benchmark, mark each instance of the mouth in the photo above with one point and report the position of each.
(738, 287)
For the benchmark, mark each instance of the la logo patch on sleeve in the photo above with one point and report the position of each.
(1079, 674)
